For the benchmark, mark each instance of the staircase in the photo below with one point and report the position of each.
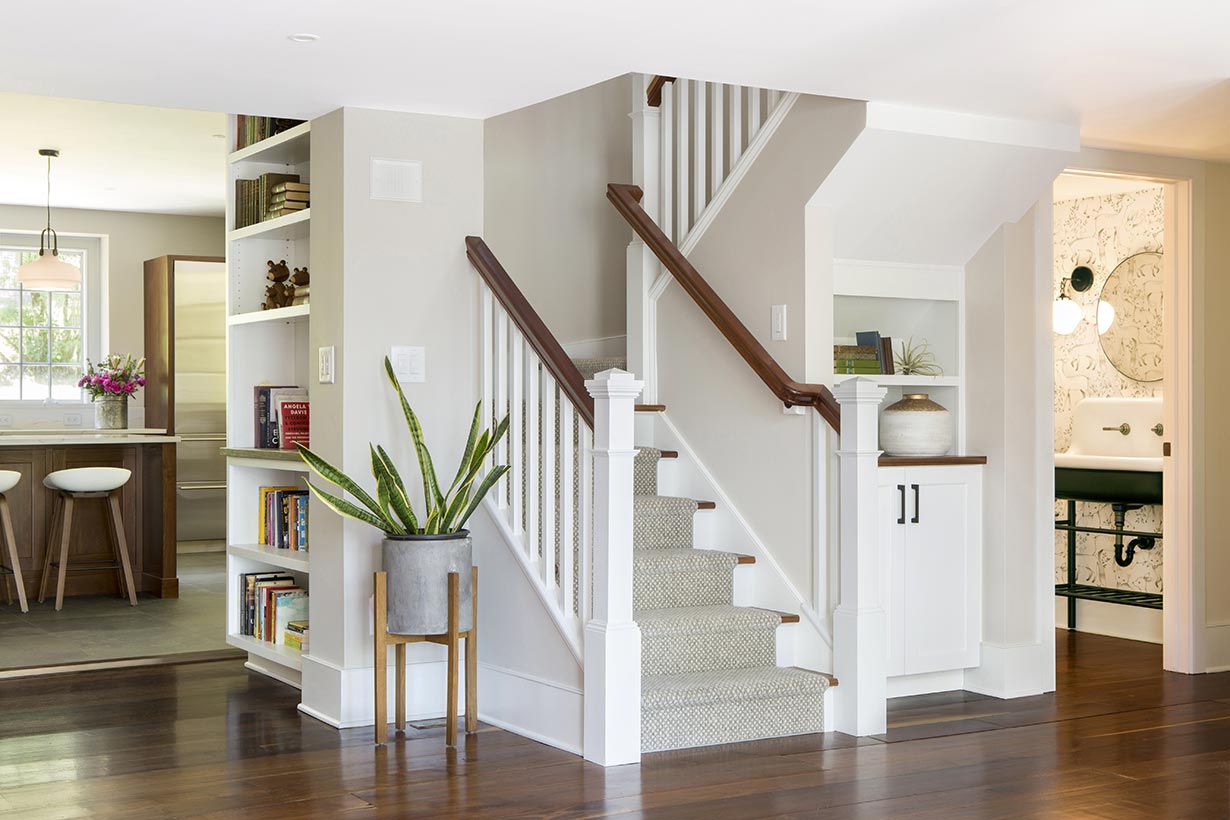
(709, 671)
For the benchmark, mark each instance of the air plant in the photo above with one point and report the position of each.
(917, 359)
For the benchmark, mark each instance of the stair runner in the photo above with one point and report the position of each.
(709, 669)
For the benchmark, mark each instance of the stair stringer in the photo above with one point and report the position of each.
(807, 644)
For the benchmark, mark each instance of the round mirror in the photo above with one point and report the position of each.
(1130, 317)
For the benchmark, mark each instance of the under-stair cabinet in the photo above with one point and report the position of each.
(930, 541)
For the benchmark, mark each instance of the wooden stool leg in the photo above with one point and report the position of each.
(454, 616)
(6, 520)
(121, 543)
(399, 655)
(66, 528)
(382, 656)
(472, 659)
(53, 531)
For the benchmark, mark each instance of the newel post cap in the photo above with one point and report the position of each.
(859, 391)
(614, 383)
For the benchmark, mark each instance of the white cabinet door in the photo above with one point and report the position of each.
(937, 578)
(890, 535)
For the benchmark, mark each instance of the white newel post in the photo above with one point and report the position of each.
(860, 626)
(612, 638)
(643, 267)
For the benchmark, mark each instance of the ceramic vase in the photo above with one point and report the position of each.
(915, 426)
(111, 413)
(418, 568)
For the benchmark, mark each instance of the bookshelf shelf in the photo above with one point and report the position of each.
(279, 654)
(289, 227)
(288, 148)
(293, 560)
(264, 459)
(294, 313)
(903, 381)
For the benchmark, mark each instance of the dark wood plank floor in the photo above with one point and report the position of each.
(1120, 739)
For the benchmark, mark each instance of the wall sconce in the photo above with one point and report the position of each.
(1065, 313)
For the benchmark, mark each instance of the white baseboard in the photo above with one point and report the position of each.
(542, 710)
(604, 348)
(1013, 671)
(345, 698)
(1113, 620)
(1217, 647)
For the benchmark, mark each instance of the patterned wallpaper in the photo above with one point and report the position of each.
(1101, 232)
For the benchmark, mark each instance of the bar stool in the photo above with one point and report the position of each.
(8, 480)
(74, 485)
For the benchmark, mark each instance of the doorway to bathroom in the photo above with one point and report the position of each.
(1124, 562)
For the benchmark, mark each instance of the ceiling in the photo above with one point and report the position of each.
(1133, 74)
(112, 157)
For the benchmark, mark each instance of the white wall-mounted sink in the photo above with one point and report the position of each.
(1094, 447)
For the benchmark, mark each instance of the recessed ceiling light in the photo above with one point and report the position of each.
(303, 38)
(218, 136)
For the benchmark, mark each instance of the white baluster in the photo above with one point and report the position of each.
(700, 136)
(775, 97)
(736, 124)
(584, 608)
(753, 113)
(682, 222)
(549, 440)
(516, 422)
(666, 190)
(612, 729)
(716, 144)
(501, 393)
(533, 372)
(566, 502)
(486, 331)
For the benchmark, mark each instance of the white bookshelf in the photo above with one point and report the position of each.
(923, 302)
(263, 347)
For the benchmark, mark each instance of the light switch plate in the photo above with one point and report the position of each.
(72, 419)
(326, 371)
(409, 363)
(778, 318)
(6, 419)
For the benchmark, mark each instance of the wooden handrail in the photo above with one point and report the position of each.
(653, 94)
(627, 200)
(535, 331)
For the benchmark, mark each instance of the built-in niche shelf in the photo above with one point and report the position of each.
(290, 227)
(903, 381)
(294, 313)
(291, 147)
(294, 560)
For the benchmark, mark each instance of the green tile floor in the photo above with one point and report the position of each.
(106, 628)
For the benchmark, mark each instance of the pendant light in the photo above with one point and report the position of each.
(49, 272)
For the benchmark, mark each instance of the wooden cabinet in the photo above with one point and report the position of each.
(930, 539)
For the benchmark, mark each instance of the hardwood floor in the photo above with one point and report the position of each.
(1120, 739)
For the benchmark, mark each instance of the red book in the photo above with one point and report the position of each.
(294, 416)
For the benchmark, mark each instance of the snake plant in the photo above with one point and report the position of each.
(391, 510)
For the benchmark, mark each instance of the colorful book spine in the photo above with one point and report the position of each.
(294, 423)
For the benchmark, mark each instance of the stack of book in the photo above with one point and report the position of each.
(250, 129)
(284, 518)
(303, 296)
(872, 355)
(247, 210)
(269, 602)
(264, 198)
(287, 197)
(268, 403)
(296, 635)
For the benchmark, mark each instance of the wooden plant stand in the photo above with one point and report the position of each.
(450, 639)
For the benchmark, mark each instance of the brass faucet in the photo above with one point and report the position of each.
(1124, 428)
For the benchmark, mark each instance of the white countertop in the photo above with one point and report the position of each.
(82, 435)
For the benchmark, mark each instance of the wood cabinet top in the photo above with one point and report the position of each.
(930, 461)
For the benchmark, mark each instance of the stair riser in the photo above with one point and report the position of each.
(645, 473)
(672, 531)
(708, 724)
(699, 652)
(693, 588)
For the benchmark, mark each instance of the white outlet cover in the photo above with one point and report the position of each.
(326, 373)
(409, 363)
(72, 419)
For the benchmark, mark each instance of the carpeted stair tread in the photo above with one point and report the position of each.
(727, 685)
(682, 578)
(698, 620)
(681, 560)
(662, 521)
(590, 367)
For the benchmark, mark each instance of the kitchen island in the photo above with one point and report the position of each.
(147, 503)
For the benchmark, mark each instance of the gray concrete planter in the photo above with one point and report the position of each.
(111, 412)
(418, 568)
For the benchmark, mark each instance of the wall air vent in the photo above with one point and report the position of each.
(397, 180)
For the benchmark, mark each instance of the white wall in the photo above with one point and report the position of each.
(132, 238)
(546, 217)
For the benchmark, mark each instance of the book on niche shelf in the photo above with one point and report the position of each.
(283, 518)
(269, 603)
(266, 399)
(250, 129)
(293, 422)
(872, 355)
(296, 635)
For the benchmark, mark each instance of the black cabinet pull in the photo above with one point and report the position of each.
(913, 520)
(901, 489)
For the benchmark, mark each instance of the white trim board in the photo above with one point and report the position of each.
(898, 280)
(976, 127)
(527, 705)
